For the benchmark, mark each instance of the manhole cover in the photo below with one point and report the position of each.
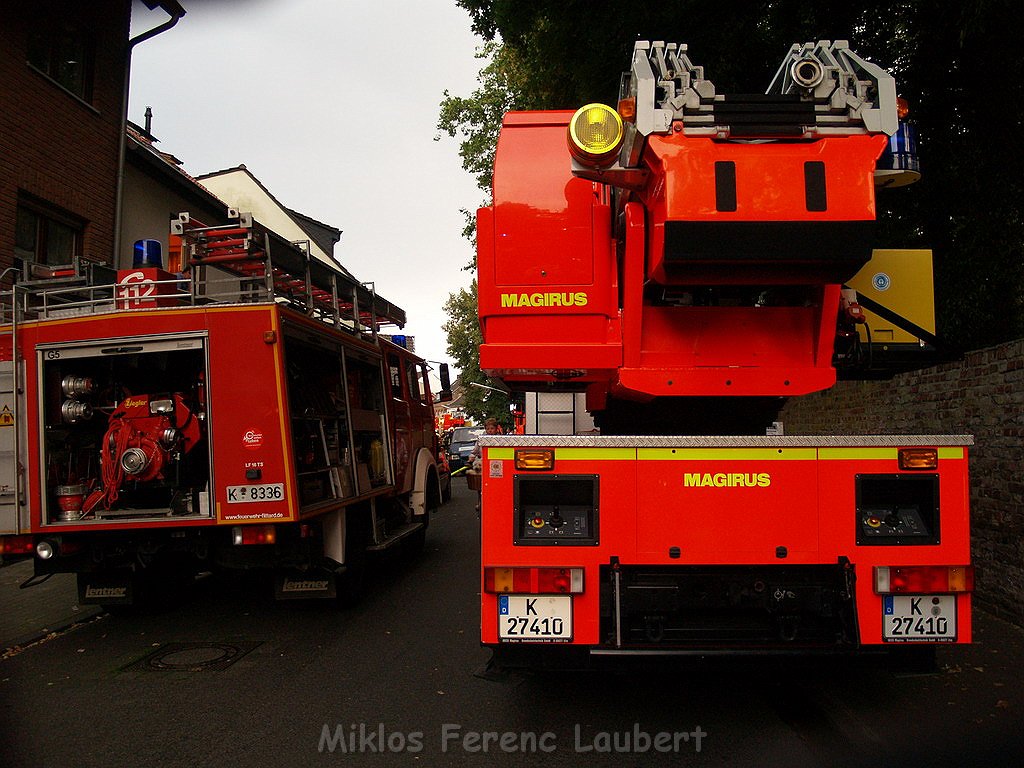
(194, 657)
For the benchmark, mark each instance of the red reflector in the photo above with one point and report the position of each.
(16, 545)
(254, 534)
(924, 579)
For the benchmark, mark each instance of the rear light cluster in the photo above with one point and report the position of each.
(534, 581)
(253, 534)
(923, 579)
(16, 545)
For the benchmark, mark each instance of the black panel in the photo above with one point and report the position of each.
(725, 185)
(739, 607)
(766, 115)
(826, 250)
(814, 186)
(555, 509)
(897, 509)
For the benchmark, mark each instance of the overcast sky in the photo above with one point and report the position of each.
(332, 104)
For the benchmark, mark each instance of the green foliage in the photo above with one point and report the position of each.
(464, 340)
(476, 119)
(956, 61)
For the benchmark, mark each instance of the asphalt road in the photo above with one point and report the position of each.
(238, 680)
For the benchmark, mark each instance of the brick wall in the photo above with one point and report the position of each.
(982, 395)
(53, 145)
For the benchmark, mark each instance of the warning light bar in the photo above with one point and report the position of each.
(923, 579)
(534, 581)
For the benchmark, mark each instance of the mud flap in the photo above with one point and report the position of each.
(106, 588)
(299, 585)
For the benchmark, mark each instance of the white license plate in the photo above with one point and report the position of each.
(918, 618)
(248, 494)
(535, 618)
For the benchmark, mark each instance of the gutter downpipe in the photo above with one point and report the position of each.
(175, 11)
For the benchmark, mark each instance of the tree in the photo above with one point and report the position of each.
(476, 119)
(464, 341)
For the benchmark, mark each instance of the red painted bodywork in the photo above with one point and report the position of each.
(809, 508)
(546, 242)
(582, 290)
(247, 418)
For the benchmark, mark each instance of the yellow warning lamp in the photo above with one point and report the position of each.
(595, 135)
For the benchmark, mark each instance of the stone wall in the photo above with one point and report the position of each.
(982, 395)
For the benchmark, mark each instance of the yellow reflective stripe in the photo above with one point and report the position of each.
(727, 454)
(601, 454)
(573, 454)
(719, 454)
(881, 453)
(857, 453)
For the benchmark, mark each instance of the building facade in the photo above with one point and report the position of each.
(63, 67)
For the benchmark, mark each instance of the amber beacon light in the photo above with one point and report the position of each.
(595, 134)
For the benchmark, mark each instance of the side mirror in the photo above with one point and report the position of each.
(445, 395)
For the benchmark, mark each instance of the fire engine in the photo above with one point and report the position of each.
(685, 260)
(241, 411)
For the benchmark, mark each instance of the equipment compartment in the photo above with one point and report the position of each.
(124, 430)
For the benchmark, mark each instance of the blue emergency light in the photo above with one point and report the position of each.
(147, 255)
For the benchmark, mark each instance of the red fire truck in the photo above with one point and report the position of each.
(246, 413)
(683, 259)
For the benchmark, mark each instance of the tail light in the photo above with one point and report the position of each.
(534, 581)
(923, 579)
(17, 545)
(253, 534)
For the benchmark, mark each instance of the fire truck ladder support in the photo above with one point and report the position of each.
(820, 88)
(288, 272)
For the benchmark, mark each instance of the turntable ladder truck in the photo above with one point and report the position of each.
(684, 259)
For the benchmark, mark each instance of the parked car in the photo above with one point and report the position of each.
(461, 445)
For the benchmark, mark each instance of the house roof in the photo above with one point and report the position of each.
(322, 234)
(167, 168)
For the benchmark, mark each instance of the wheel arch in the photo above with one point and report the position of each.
(426, 489)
